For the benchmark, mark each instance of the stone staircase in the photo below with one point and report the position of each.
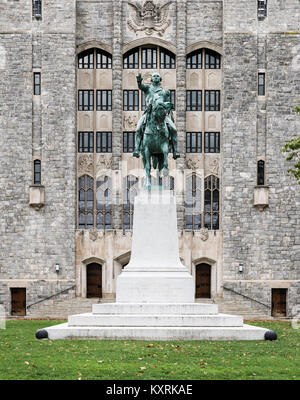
(248, 309)
(62, 308)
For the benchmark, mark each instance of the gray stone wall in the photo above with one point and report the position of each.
(33, 241)
(267, 242)
(204, 21)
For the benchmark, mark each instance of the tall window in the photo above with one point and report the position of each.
(37, 9)
(167, 59)
(194, 60)
(149, 58)
(193, 142)
(211, 202)
(152, 57)
(86, 59)
(194, 100)
(103, 203)
(131, 59)
(261, 84)
(212, 100)
(85, 142)
(172, 98)
(103, 142)
(85, 100)
(262, 9)
(103, 59)
(85, 202)
(37, 172)
(104, 100)
(128, 142)
(212, 59)
(260, 172)
(212, 142)
(36, 83)
(129, 193)
(130, 100)
(193, 203)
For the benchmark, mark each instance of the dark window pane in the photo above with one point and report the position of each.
(260, 172)
(86, 59)
(130, 60)
(212, 59)
(194, 60)
(261, 84)
(37, 83)
(85, 100)
(128, 142)
(103, 59)
(167, 59)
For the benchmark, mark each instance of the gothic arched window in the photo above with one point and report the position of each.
(87, 58)
(193, 202)
(194, 60)
(149, 57)
(129, 193)
(211, 202)
(103, 203)
(85, 202)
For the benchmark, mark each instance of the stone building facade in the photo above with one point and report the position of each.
(68, 114)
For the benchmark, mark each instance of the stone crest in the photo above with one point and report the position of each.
(130, 122)
(149, 17)
(214, 166)
(192, 164)
(93, 234)
(103, 161)
(85, 164)
(203, 234)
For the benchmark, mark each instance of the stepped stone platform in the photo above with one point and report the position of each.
(155, 291)
(144, 321)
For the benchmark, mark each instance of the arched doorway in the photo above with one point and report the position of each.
(203, 281)
(94, 280)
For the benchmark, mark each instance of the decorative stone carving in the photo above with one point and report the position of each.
(192, 163)
(214, 166)
(203, 234)
(103, 161)
(93, 234)
(130, 122)
(85, 164)
(149, 17)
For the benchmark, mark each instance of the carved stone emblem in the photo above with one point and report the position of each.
(85, 164)
(93, 234)
(130, 122)
(149, 17)
(103, 161)
(214, 166)
(203, 233)
(192, 163)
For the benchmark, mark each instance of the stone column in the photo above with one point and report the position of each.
(117, 109)
(181, 106)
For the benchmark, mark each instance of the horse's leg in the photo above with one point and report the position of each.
(147, 167)
(165, 150)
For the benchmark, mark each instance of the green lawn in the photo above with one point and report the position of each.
(24, 357)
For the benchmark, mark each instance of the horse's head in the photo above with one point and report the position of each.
(160, 110)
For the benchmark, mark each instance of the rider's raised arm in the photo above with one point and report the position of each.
(141, 85)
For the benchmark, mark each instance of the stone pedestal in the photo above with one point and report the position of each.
(155, 291)
(155, 273)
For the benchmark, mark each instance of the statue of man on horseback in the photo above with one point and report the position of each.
(156, 131)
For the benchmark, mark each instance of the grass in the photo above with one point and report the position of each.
(24, 357)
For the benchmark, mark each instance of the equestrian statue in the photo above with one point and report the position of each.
(156, 132)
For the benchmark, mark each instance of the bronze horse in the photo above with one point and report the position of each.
(156, 140)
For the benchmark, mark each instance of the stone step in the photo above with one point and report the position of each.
(155, 308)
(149, 320)
(245, 332)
